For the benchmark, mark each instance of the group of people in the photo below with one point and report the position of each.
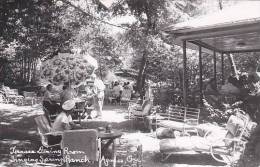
(63, 103)
(243, 87)
(120, 91)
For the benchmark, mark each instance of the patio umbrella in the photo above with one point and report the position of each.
(66, 67)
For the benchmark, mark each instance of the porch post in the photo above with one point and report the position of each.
(215, 66)
(222, 69)
(200, 71)
(184, 73)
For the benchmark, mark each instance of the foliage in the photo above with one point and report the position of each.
(68, 68)
(30, 30)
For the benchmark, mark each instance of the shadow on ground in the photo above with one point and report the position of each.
(19, 129)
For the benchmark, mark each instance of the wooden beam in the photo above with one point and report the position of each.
(184, 74)
(215, 31)
(200, 71)
(222, 69)
(204, 45)
(242, 51)
(215, 66)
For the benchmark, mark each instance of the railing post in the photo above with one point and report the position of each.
(200, 79)
(215, 66)
(222, 69)
(184, 74)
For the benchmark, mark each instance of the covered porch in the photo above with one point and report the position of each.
(232, 30)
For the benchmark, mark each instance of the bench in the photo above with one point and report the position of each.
(12, 96)
(182, 119)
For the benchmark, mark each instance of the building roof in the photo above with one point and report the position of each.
(234, 29)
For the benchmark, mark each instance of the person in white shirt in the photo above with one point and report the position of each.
(126, 94)
(99, 90)
(64, 120)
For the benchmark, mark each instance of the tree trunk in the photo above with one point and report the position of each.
(180, 78)
(220, 4)
(140, 78)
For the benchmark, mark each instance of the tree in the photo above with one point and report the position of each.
(93, 35)
(30, 31)
(144, 37)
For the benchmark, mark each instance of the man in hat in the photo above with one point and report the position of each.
(64, 120)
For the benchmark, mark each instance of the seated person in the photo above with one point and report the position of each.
(126, 94)
(68, 93)
(231, 87)
(117, 91)
(212, 94)
(49, 101)
(145, 108)
(253, 76)
(63, 122)
(145, 112)
(64, 119)
(211, 87)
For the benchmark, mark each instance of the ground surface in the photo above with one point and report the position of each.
(17, 128)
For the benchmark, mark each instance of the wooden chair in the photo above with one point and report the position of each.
(223, 147)
(84, 143)
(44, 130)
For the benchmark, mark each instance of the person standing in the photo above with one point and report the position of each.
(99, 90)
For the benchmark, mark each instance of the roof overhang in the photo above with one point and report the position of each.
(227, 38)
(231, 30)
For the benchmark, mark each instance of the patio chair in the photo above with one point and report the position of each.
(140, 113)
(85, 145)
(29, 98)
(3, 97)
(183, 119)
(12, 96)
(223, 146)
(44, 130)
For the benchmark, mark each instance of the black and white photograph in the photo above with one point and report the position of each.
(129, 83)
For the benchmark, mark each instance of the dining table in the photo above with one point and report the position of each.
(109, 139)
